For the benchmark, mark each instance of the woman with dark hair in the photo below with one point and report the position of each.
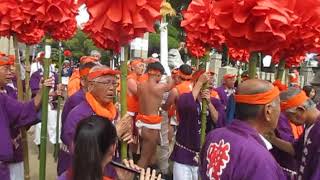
(94, 146)
(310, 91)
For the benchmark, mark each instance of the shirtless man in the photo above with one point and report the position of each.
(183, 85)
(137, 69)
(150, 94)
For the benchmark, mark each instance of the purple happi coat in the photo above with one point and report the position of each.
(188, 133)
(223, 95)
(68, 129)
(71, 103)
(284, 132)
(15, 132)
(35, 81)
(13, 114)
(307, 150)
(237, 152)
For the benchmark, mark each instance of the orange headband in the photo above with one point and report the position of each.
(5, 60)
(258, 99)
(98, 73)
(295, 101)
(84, 72)
(184, 76)
(88, 59)
(135, 62)
(154, 72)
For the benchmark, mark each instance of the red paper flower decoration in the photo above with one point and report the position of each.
(200, 25)
(67, 53)
(241, 55)
(256, 25)
(55, 17)
(113, 24)
(195, 47)
(305, 37)
(65, 32)
(11, 17)
(34, 36)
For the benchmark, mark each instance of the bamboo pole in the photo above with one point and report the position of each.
(281, 69)
(27, 97)
(57, 145)
(197, 63)
(44, 118)
(204, 114)
(20, 98)
(123, 94)
(253, 65)
(9, 45)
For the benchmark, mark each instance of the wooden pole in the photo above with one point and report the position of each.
(253, 65)
(27, 97)
(281, 69)
(57, 145)
(123, 94)
(44, 118)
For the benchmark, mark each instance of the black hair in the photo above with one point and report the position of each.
(308, 89)
(185, 69)
(155, 66)
(93, 139)
(247, 111)
(87, 65)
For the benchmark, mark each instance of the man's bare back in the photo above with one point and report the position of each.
(150, 95)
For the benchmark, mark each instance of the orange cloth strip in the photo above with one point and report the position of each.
(214, 94)
(279, 84)
(84, 72)
(297, 131)
(136, 62)
(295, 101)
(143, 78)
(184, 76)
(98, 73)
(5, 60)
(149, 119)
(184, 87)
(108, 112)
(229, 76)
(74, 83)
(87, 59)
(258, 99)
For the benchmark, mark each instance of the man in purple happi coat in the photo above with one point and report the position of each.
(227, 88)
(239, 151)
(101, 89)
(286, 161)
(302, 111)
(187, 147)
(13, 116)
(78, 97)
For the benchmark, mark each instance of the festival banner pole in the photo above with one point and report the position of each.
(20, 98)
(253, 65)
(281, 69)
(123, 93)
(204, 113)
(44, 115)
(27, 97)
(57, 145)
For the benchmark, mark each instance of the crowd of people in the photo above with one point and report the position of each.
(255, 129)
